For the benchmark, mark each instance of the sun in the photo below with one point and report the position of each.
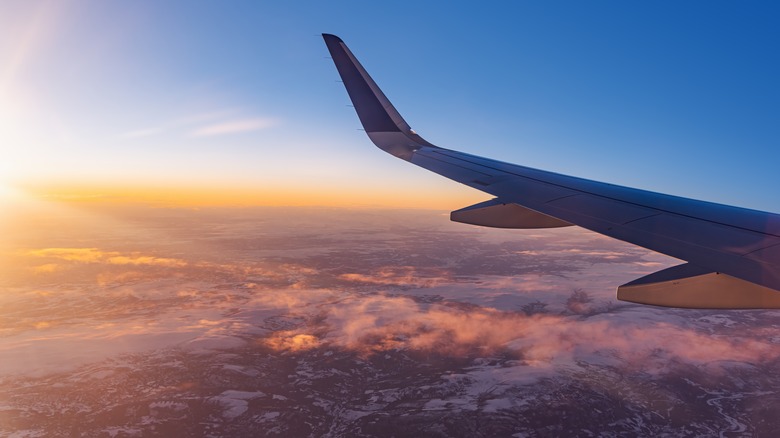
(7, 192)
(7, 175)
(6, 172)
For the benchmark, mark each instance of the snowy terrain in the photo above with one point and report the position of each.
(321, 322)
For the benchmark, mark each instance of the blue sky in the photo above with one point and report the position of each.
(678, 98)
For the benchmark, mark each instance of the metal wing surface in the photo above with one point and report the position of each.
(732, 253)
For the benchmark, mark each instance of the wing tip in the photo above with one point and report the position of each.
(331, 37)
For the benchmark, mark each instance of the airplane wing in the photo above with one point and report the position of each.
(732, 253)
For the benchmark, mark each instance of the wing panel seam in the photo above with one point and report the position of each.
(455, 165)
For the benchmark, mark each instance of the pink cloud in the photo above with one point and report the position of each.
(401, 276)
(95, 255)
(292, 341)
(378, 323)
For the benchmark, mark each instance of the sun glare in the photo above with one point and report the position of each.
(7, 193)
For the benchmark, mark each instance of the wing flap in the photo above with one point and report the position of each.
(695, 287)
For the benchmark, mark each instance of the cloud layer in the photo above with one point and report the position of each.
(374, 324)
(264, 282)
(95, 255)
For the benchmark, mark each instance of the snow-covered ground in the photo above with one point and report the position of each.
(310, 322)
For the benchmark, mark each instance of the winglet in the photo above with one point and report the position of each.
(382, 122)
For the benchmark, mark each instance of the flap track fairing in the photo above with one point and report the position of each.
(497, 214)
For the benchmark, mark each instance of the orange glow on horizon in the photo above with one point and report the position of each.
(225, 196)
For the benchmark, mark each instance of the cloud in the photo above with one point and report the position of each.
(108, 278)
(217, 122)
(235, 126)
(46, 268)
(94, 255)
(293, 299)
(206, 116)
(87, 255)
(402, 276)
(377, 323)
(292, 341)
(145, 260)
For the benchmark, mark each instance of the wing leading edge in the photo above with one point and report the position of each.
(733, 254)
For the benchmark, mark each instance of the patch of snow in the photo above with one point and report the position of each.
(235, 402)
(172, 405)
(353, 415)
(122, 431)
(242, 395)
(267, 416)
(26, 434)
(453, 404)
(720, 319)
(233, 407)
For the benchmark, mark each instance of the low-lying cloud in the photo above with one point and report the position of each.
(401, 276)
(95, 255)
(377, 323)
